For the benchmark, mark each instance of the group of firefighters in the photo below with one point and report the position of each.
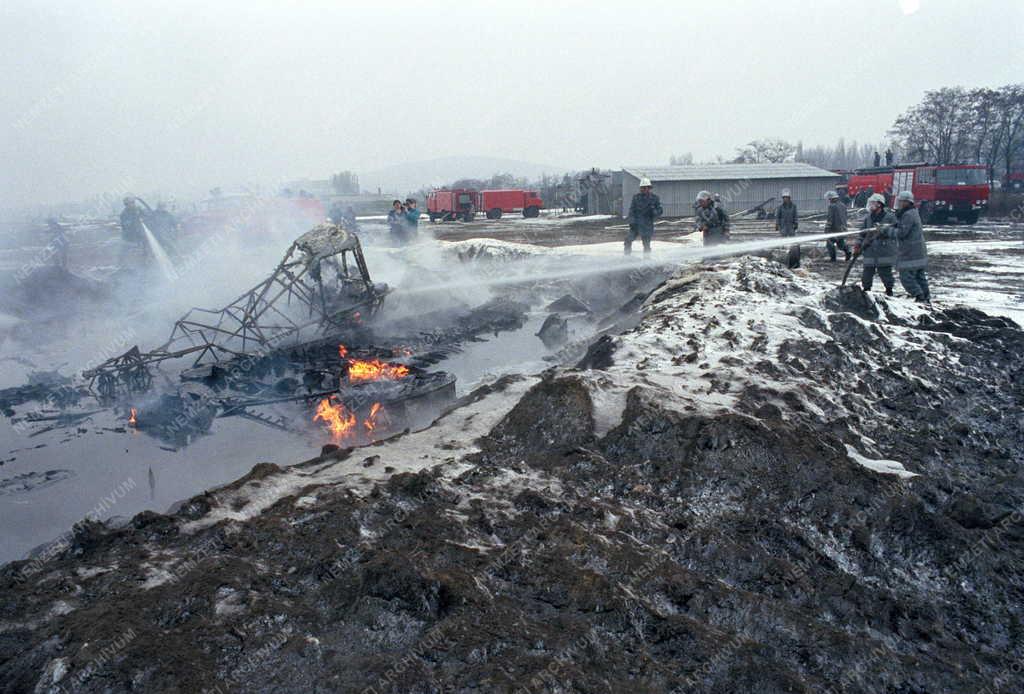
(888, 238)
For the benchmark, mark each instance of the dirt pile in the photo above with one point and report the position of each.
(765, 485)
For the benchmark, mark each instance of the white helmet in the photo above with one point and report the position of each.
(785, 193)
(831, 195)
(905, 196)
(877, 197)
(645, 182)
(703, 195)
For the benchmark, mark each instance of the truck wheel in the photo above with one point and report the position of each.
(971, 217)
(494, 214)
(531, 212)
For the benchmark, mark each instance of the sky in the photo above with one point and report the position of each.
(184, 96)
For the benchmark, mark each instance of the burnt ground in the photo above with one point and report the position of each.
(718, 536)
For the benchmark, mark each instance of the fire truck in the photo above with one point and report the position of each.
(464, 203)
(496, 202)
(448, 205)
(941, 192)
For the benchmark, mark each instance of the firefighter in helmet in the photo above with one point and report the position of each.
(786, 223)
(643, 210)
(711, 220)
(835, 221)
(875, 244)
(912, 254)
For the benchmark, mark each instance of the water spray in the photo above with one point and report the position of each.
(674, 255)
(162, 259)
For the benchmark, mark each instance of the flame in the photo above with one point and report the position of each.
(374, 370)
(339, 420)
(343, 422)
(371, 369)
(133, 417)
(371, 419)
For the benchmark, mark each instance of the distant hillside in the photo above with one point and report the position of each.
(408, 176)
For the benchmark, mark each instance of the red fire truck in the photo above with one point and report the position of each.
(941, 192)
(496, 202)
(448, 205)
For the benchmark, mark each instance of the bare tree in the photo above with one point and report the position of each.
(770, 150)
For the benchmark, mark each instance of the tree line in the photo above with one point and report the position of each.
(951, 125)
(954, 125)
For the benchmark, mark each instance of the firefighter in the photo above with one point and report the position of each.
(716, 199)
(835, 222)
(878, 249)
(912, 254)
(131, 221)
(643, 210)
(786, 224)
(711, 220)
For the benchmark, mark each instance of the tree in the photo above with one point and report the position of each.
(936, 129)
(769, 150)
(684, 159)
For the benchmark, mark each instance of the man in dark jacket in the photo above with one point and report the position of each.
(643, 210)
(710, 219)
(879, 252)
(912, 255)
(131, 221)
(835, 221)
(786, 223)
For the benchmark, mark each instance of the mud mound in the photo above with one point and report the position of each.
(764, 487)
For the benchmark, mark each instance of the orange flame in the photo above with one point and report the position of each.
(371, 369)
(371, 419)
(374, 370)
(339, 420)
(133, 417)
(343, 422)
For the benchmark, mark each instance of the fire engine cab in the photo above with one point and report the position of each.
(941, 192)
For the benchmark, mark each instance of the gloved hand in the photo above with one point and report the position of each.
(632, 227)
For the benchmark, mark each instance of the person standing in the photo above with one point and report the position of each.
(131, 221)
(875, 244)
(835, 221)
(912, 254)
(396, 222)
(643, 210)
(711, 220)
(786, 224)
(412, 218)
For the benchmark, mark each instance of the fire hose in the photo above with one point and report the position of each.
(869, 237)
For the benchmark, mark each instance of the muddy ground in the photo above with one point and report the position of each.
(763, 484)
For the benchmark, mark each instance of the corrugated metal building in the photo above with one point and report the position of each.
(741, 186)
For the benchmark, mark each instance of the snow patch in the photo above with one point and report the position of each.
(886, 467)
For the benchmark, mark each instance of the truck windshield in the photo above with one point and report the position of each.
(961, 177)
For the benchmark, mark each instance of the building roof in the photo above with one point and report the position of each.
(728, 172)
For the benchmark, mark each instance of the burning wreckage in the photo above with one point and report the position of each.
(279, 342)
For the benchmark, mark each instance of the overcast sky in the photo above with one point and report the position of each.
(181, 96)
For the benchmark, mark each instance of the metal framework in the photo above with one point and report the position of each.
(321, 284)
